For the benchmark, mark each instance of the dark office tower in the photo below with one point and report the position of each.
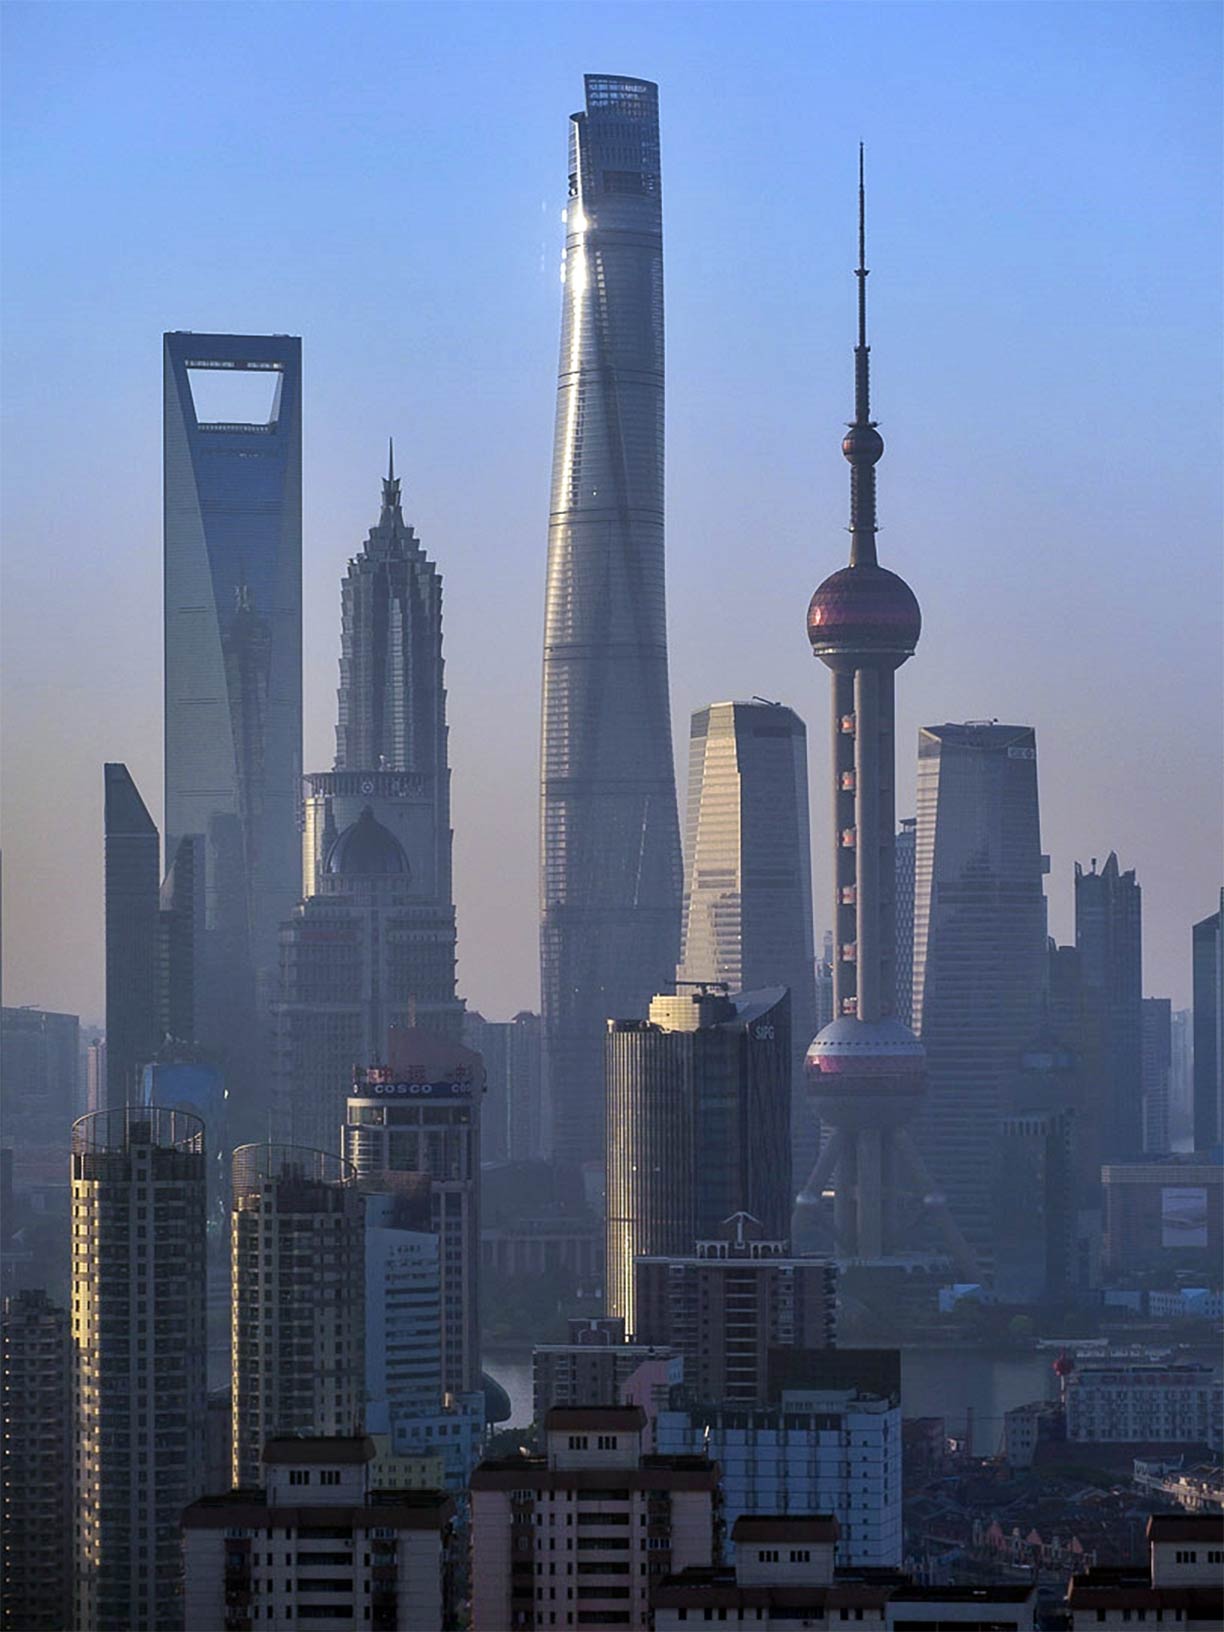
(906, 841)
(747, 917)
(36, 1457)
(979, 946)
(298, 1300)
(1109, 935)
(233, 656)
(180, 940)
(38, 1083)
(865, 1067)
(138, 1329)
(698, 1126)
(1034, 1202)
(414, 1125)
(1157, 1074)
(364, 953)
(511, 1123)
(133, 867)
(610, 842)
(1208, 993)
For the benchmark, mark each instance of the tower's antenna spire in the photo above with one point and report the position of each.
(391, 487)
(863, 445)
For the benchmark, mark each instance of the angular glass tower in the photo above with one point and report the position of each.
(610, 842)
(747, 916)
(1109, 935)
(979, 947)
(233, 655)
(132, 866)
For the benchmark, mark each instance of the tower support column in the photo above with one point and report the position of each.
(867, 840)
(870, 1163)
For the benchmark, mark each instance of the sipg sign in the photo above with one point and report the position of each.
(413, 1090)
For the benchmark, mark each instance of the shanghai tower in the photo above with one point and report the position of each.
(610, 840)
(866, 1069)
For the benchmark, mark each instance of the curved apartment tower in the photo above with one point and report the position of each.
(610, 842)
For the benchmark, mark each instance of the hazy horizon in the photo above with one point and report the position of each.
(387, 180)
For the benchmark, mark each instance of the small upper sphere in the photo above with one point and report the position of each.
(366, 849)
(864, 610)
(863, 445)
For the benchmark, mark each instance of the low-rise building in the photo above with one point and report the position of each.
(785, 1574)
(833, 1449)
(592, 1368)
(580, 1535)
(1142, 1403)
(1180, 1581)
(317, 1547)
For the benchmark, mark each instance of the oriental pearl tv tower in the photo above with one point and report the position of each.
(865, 1070)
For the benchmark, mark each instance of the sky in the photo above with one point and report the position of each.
(386, 180)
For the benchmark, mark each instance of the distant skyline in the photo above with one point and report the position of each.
(385, 181)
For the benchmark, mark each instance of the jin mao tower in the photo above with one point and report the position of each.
(865, 1068)
(610, 839)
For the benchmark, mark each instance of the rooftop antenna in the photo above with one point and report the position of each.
(863, 445)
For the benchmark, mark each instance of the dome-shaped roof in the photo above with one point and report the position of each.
(366, 849)
(864, 608)
(851, 1045)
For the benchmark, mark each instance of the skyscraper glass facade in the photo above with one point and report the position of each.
(1109, 937)
(233, 667)
(979, 946)
(610, 843)
(747, 917)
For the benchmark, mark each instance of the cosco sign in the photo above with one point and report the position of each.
(417, 1090)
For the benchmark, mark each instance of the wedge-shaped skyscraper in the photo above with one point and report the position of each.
(610, 862)
(233, 640)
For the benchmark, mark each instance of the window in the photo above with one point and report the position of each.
(1215, 1556)
(578, 1442)
(1187, 1558)
(800, 1555)
(768, 1555)
(329, 1476)
(299, 1476)
(606, 1442)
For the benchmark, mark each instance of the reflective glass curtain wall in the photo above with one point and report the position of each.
(610, 842)
(233, 664)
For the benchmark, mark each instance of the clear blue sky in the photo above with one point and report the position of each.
(386, 180)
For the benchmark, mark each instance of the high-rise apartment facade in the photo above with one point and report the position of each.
(979, 947)
(418, 1119)
(1208, 991)
(698, 1126)
(298, 1306)
(610, 842)
(133, 871)
(726, 1305)
(36, 1488)
(747, 913)
(233, 666)
(138, 1330)
(1109, 936)
(581, 1535)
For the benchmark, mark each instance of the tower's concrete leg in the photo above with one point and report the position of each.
(845, 1224)
(958, 1247)
(826, 1164)
(870, 1195)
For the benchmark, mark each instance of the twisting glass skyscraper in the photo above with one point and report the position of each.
(610, 845)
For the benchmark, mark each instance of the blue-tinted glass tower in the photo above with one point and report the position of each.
(233, 668)
(610, 863)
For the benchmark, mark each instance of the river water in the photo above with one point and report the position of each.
(948, 1383)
